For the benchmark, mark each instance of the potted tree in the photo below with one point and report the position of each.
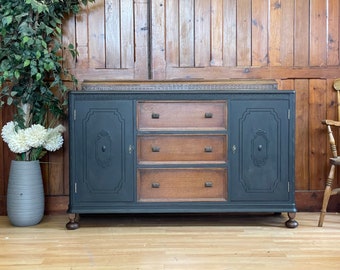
(32, 80)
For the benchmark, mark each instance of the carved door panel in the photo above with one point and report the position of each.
(259, 135)
(103, 151)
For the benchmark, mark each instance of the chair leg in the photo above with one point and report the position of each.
(327, 194)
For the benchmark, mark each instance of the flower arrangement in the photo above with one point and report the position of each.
(32, 143)
(32, 74)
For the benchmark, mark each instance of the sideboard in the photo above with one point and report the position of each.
(181, 147)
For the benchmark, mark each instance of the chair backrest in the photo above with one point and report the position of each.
(332, 143)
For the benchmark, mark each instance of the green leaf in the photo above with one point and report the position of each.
(7, 20)
(38, 54)
(17, 74)
(44, 44)
(27, 62)
(58, 29)
(25, 39)
(38, 76)
(9, 101)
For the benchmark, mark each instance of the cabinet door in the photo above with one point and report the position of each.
(103, 157)
(259, 150)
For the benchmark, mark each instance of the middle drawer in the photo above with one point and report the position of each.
(181, 148)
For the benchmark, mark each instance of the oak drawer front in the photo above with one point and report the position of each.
(182, 148)
(182, 115)
(182, 184)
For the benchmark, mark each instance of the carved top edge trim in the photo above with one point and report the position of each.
(177, 85)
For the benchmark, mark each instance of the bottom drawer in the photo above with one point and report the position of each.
(182, 184)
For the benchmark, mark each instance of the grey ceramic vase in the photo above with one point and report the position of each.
(25, 193)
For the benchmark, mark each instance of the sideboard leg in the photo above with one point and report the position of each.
(291, 222)
(73, 224)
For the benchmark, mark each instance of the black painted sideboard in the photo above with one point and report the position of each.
(175, 147)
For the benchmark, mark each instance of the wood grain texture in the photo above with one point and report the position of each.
(229, 29)
(172, 31)
(186, 32)
(301, 36)
(333, 32)
(317, 138)
(202, 33)
(318, 33)
(151, 242)
(259, 33)
(243, 35)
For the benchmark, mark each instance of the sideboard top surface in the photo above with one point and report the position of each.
(179, 85)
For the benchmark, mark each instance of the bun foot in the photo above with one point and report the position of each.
(291, 222)
(73, 224)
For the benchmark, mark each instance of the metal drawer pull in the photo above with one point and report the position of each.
(155, 149)
(208, 149)
(155, 115)
(208, 184)
(155, 185)
(208, 115)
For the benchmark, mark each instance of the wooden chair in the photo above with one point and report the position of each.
(334, 160)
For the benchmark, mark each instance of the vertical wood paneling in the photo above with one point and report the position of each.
(275, 32)
(281, 41)
(216, 33)
(318, 32)
(158, 40)
(333, 32)
(127, 35)
(301, 37)
(259, 33)
(82, 39)
(96, 41)
(141, 69)
(318, 137)
(287, 33)
(68, 38)
(113, 26)
(302, 179)
(202, 33)
(55, 181)
(243, 32)
(172, 33)
(186, 25)
(229, 33)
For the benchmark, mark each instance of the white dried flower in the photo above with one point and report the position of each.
(54, 140)
(23, 140)
(36, 135)
(18, 143)
(8, 131)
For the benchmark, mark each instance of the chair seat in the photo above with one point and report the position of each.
(335, 161)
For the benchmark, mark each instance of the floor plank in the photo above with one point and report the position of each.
(173, 242)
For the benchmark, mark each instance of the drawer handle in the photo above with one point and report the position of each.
(155, 115)
(155, 185)
(208, 115)
(208, 184)
(208, 149)
(155, 149)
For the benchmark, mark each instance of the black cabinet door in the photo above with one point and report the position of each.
(102, 140)
(259, 150)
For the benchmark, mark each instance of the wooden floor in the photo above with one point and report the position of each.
(173, 242)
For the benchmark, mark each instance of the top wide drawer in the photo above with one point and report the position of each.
(182, 115)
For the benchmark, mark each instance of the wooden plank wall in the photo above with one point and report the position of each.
(295, 42)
